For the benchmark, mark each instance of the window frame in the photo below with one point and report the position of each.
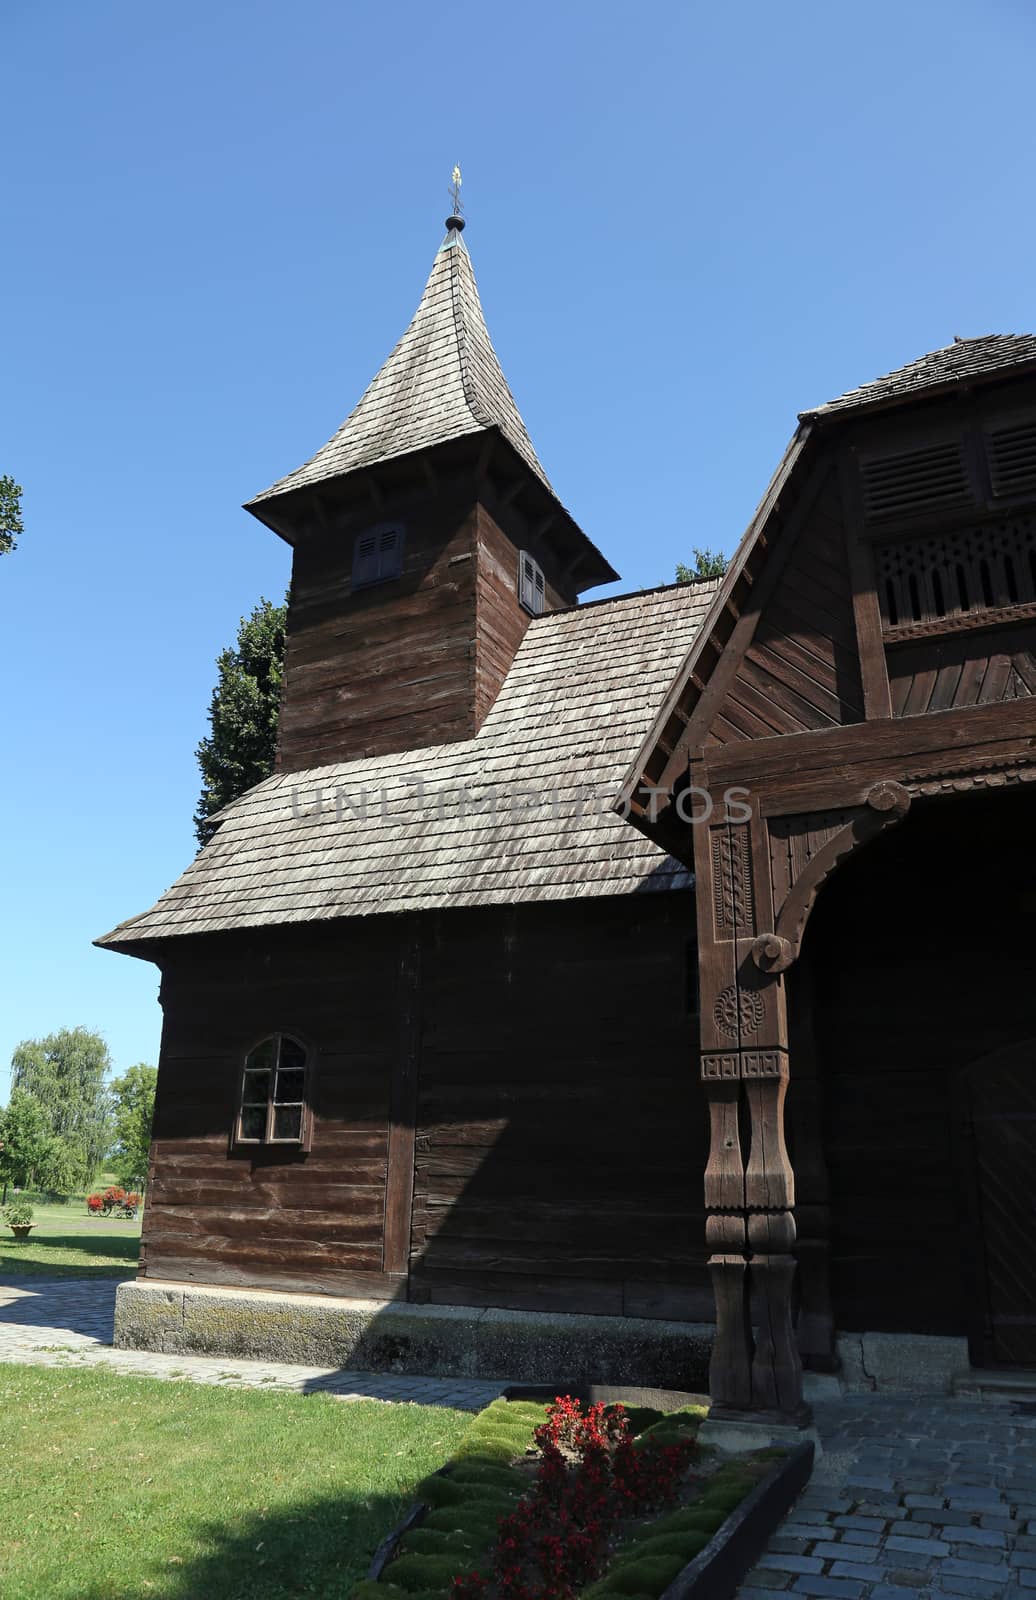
(304, 1141)
(537, 585)
(378, 533)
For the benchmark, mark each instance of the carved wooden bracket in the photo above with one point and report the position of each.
(887, 804)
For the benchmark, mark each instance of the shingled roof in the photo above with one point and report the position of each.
(960, 362)
(442, 380)
(520, 812)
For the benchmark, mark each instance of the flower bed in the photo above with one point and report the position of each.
(546, 1503)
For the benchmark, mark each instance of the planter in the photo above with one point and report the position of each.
(21, 1230)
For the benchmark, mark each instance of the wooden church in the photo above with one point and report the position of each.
(658, 957)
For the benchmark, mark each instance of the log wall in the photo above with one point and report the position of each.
(516, 1090)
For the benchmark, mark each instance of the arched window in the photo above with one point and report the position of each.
(274, 1106)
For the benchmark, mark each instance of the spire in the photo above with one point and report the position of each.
(442, 380)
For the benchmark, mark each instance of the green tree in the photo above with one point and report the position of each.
(239, 751)
(134, 1096)
(10, 513)
(65, 1074)
(707, 564)
(25, 1135)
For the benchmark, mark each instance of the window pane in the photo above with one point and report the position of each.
(262, 1055)
(257, 1087)
(290, 1085)
(292, 1053)
(287, 1122)
(253, 1122)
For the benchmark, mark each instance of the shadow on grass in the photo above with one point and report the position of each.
(69, 1255)
(318, 1548)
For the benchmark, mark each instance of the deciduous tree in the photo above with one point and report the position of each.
(65, 1074)
(134, 1096)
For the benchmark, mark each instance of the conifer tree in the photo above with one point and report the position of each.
(240, 748)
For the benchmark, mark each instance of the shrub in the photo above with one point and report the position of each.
(18, 1214)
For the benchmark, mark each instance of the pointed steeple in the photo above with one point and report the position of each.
(442, 380)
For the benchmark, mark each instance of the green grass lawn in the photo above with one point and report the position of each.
(66, 1243)
(118, 1488)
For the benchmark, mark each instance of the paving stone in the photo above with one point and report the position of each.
(1027, 1577)
(973, 1496)
(987, 1536)
(956, 1567)
(931, 1502)
(790, 1547)
(835, 1588)
(806, 1530)
(861, 1537)
(912, 1530)
(947, 1583)
(762, 1579)
(950, 1519)
(865, 1524)
(917, 1547)
(892, 1591)
(780, 1563)
(865, 1571)
(827, 1551)
(1023, 1558)
(861, 1481)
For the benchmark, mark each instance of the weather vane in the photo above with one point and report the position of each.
(456, 180)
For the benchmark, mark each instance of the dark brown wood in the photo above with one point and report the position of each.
(399, 1182)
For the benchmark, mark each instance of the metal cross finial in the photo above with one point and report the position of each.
(456, 180)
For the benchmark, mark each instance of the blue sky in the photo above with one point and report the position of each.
(688, 222)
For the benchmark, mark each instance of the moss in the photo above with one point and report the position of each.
(649, 1575)
(443, 1491)
(474, 1519)
(418, 1572)
(489, 1476)
(693, 1519)
(641, 1417)
(686, 1545)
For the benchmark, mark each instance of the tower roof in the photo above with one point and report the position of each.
(442, 380)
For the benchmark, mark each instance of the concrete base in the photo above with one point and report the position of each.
(738, 1438)
(431, 1341)
(905, 1363)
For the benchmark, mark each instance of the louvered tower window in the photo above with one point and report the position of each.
(915, 483)
(1011, 453)
(378, 555)
(531, 587)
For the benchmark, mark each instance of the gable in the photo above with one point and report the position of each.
(889, 574)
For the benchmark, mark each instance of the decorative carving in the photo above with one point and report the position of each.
(733, 896)
(933, 584)
(959, 778)
(738, 1013)
(889, 799)
(764, 1064)
(721, 1066)
(771, 953)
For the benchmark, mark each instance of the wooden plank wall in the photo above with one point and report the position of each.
(561, 1128)
(962, 669)
(390, 667)
(801, 670)
(560, 1131)
(501, 619)
(921, 965)
(312, 1222)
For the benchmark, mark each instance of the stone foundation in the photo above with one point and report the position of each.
(430, 1341)
(533, 1347)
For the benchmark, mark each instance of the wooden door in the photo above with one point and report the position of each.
(1000, 1096)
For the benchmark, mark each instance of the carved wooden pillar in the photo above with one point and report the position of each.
(750, 1228)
